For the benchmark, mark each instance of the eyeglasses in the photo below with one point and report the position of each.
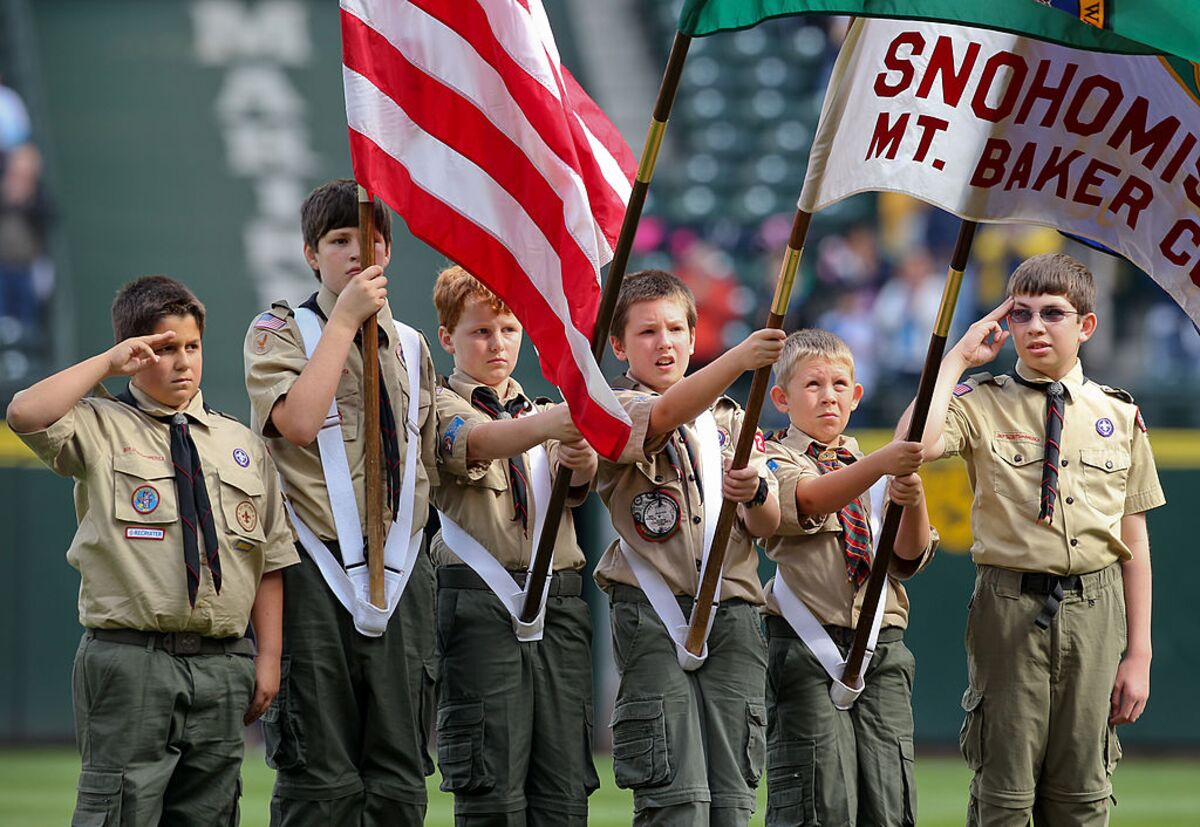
(1049, 315)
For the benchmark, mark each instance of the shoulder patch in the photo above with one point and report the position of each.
(1141, 423)
(1119, 393)
(962, 389)
(269, 321)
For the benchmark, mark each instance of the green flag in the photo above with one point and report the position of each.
(1146, 27)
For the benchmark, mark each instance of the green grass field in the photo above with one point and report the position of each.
(37, 789)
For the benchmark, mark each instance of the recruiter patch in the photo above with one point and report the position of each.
(655, 515)
(140, 533)
(1104, 426)
(246, 514)
(241, 457)
(145, 499)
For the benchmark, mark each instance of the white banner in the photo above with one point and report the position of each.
(1001, 128)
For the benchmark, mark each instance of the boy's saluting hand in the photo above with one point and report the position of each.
(974, 348)
(133, 354)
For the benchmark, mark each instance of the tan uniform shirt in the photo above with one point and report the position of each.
(475, 494)
(808, 547)
(645, 478)
(129, 545)
(274, 357)
(1107, 470)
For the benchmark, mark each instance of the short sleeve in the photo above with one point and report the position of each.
(787, 471)
(63, 445)
(274, 358)
(959, 434)
(638, 405)
(1143, 491)
(429, 427)
(455, 420)
(280, 549)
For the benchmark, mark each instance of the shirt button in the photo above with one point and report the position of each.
(1108, 464)
(1070, 500)
(1017, 458)
(658, 477)
(1064, 463)
(1074, 542)
(696, 520)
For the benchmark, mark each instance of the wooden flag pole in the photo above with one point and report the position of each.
(852, 672)
(704, 605)
(536, 583)
(371, 426)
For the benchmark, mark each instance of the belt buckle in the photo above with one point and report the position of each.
(182, 643)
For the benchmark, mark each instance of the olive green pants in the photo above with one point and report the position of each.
(160, 736)
(1036, 732)
(348, 732)
(832, 766)
(515, 718)
(691, 745)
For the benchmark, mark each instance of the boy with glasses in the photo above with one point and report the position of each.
(1063, 474)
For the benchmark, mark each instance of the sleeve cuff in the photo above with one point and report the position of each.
(1144, 501)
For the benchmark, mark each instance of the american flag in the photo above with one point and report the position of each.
(463, 119)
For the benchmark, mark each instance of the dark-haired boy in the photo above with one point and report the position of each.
(348, 732)
(688, 732)
(181, 537)
(1058, 634)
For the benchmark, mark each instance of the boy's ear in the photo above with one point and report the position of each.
(310, 256)
(858, 395)
(692, 342)
(779, 399)
(444, 339)
(1088, 326)
(618, 348)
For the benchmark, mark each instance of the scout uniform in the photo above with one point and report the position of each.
(690, 744)
(826, 764)
(515, 706)
(163, 674)
(348, 731)
(1048, 597)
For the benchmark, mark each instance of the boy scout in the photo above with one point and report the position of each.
(833, 756)
(515, 706)
(688, 734)
(348, 731)
(181, 538)
(1058, 635)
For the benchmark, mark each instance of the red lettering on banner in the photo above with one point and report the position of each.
(1133, 126)
(1022, 168)
(991, 70)
(1057, 167)
(990, 168)
(1191, 187)
(1053, 95)
(1134, 194)
(1103, 115)
(941, 64)
(885, 140)
(930, 126)
(1176, 163)
(893, 61)
(1090, 178)
(1170, 249)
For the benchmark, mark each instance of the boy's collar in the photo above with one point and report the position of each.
(194, 409)
(1074, 379)
(627, 382)
(464, 385)
(798, 439)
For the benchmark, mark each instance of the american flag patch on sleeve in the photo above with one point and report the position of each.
(269, 321)
(962, 389)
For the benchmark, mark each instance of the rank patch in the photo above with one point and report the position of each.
(655, 515)
(262, 342)
(145, 499)
(1104, 426)
(451, 434)
(962, 389)
(269, 321)
(241, 457)
(247, 516)
(140, 533)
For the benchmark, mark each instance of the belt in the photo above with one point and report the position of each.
(779, 627)
(176, 643)
(622, 593)
(565, 583)
(1054, 587)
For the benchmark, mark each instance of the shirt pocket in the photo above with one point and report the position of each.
(241, 506)
(349, 407)
(1017, 470)
(1105, 474)
(144, 490)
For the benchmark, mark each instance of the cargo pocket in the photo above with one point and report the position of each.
(640, 754)
(1112, 750)
(427, 709)
(791, 783)
(99, 799)
(460, 748)
(756, 743)
(591, 781)
(907, 759)
(283, 733)
(235, 814)
(970, 737)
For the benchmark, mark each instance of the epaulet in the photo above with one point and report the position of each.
(985, 378)
(1119, 393)
(227, 416)
(726, 402)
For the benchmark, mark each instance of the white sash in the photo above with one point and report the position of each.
(810, 630)
(350, 580)
(661, 598)
(498, 578)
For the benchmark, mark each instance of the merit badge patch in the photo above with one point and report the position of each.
(241, 457)
(962, 389)
(451, 434)
(140, 533)
(269, 321)
(247, 517)
(1104, 426)
(262, 343)
(243, 545)
(144, 499)
(655, 515)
